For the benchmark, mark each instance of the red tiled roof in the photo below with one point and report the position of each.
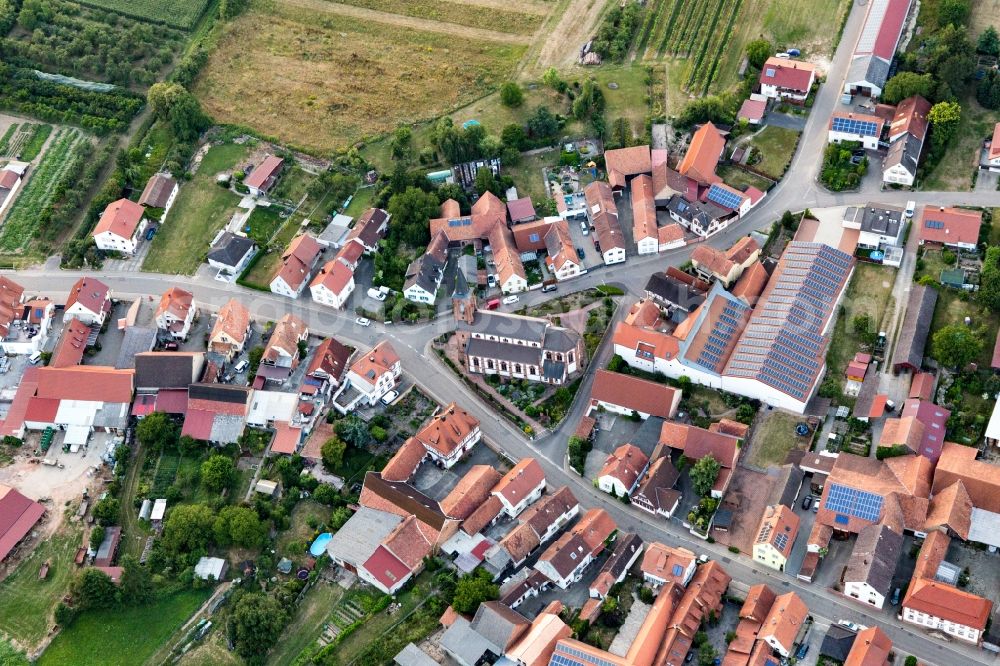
(298, 259)
(120, 218)
(90, 293)
(890, 28)
(351, 252)
(386, 568)
(18, 516)
(789, 74)
(697, 443)
(470, 492)
(922, 385)
(10, 303)
(949, 225)
(176, 302)
(910, 116)
(521, 209)
(634, 393)
(258, 177)
(335, 276)
(624, 162)
(72, 344)
(286, 438)
(995, 143)
(86, 382)
(703, 154)
(625, 464)
(871, 648)
(482, 516)
(233, 320)
(752, 109)
(198, 423)
(447, 430)
(8, 179)
(408, 543)
(404, 463)
(518, 483)
(948, 603)
(330, 358)
(172, 401)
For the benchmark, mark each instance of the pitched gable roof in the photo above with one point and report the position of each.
(624, 162)
(625, 464)
(471, 491)
(233, 321)
(298, 260)
(518, 483)
(90, 294)
(633, 393)
(702, 156)
(158, 190)
(120, 218)
(789, 74)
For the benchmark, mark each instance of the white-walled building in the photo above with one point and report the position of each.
(120, 227)
(333, 284)
(520, 487)
(176, 312)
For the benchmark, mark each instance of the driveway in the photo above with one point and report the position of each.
(987, 181)
(131, 264)
(792, 121)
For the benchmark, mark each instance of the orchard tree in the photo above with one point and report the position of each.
(240, 526)
(945, 118)
(173, 104)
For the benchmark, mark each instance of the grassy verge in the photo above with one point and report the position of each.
(201, 209)
(113, 637)
(26, 611)
(868, 294)
(307, 624)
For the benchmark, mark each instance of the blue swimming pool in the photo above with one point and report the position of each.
(318, 546)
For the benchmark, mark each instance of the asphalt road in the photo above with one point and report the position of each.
(798, 190)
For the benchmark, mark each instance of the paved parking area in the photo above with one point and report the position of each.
(585, 242)
(615, 430)
(984, 570)
(133, 263)
(436, 483)
(987, 181)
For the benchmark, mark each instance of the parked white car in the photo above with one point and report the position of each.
(378, 294)
(362, 321)
(510, 300)
(389, 397)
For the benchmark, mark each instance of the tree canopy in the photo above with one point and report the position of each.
(473, 589)
(172, 103)
(157, 431)
(240, 526)
(136, 584)
(511, 95)
(956, 345)
(989, 280)
(332, 453)
(188, 528)
(94, 589)
(218, 472)
(411, 209)
(907, 84)
(758, 51)
(256, 624)
(704, 474)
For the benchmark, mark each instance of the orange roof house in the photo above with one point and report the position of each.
(121, 219)
(949, 226)
(521, 486)
(623, 163)
(785, 623)
(231, 329)
(449, 434)
(871, 648)
(470, 492)
(622, 470)
(703, 155)
(664, 564)
(296, 264)
(625, 394)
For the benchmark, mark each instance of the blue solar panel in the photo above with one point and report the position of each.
(781, 541)
(855, 126)
(935, 224)
(724, 197)
(678, 570)
(842, 519)
(854, 502)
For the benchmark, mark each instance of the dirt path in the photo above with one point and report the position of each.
(562, 46)
(161, 655)
(409, 21)
(524, 6)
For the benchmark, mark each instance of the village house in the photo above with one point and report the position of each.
(562, 259)
(89, 301)
(281, 355)
(870, 570)
(703, 155)
(665, 564)
(853, 127)
(11, 176)
(907, 135)
(655, 493)
(369, 229)
(333, 284)
(264, 176)
(622, 164)
(424, 274)
(175, 313)
(880, 226)
(370, 377)
(231, 330)
(725, 266)
(297, 264)
(565, 560)
(775, 537)
(787, 79)
(449, 435)
(216, 413)
(231, 254)
(785, 625)
(24, 324)
(603, 213)
(956, 228)
(627, 395)
(160, 192)
(628, 547)
(520, 487)
(326, 369)
(21, 514)
(120, 227)
(622, 471)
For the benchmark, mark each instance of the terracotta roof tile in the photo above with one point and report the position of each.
(981, 479)
(403, 465)
(298, 260)
(789, 74)
(625, 464)
(89, 293)
(633, 393)
(949, 225)
(703, 154)
(788, 614)
(447, 430)
(951, 508)
(871, 648)
(948, 603)
(267, 168)
(624, 162)
(471, 491)
(483, 516)
(233, 322)
(758, 603)
(120, 218)
(667, 563)
(408, 543)
(285, 338)
(518, 483)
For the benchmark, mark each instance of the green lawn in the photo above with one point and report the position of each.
(869, 293)
(182, 242)
(773, 438)
(356, 463)
(307, 623)
(360, 202)
(26, 610)
(293, 185)
(156, 145)
(741, 179)
(111, 637)
(961, 159)
(527, 174)
(777, 145)
(951, 309)
(222, 158)
(300, 532)
(264, 222)
(259, 274)
(11, 657)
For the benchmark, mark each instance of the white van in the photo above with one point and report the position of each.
(35, 358)
(241, 367)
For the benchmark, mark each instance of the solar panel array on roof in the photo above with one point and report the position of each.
(460, 222)
(855, 126)
(934, 224)
(588, 658)
(725, 330)
(853, 502)
(781, 541)
(724, 197)
(783, 345)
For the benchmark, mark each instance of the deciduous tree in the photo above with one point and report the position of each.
(907, 84)
(956, 345)
(188, 528)
(758, 51)
(511, 95)
(256, 625)
(704, 474)
(218, 473)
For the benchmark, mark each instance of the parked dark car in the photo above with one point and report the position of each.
(807, 502)
(150, 233)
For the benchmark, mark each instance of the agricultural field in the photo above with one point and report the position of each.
(521, 19)
(58, 165)
(78, 41)
(201, 209)
(709, 37)
(985, 13)
(28, 603)
(177, 13)
(24, 141)
(386, 73)
(114, 637)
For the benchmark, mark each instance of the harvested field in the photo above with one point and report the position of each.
(475, 16)
(345, 78)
